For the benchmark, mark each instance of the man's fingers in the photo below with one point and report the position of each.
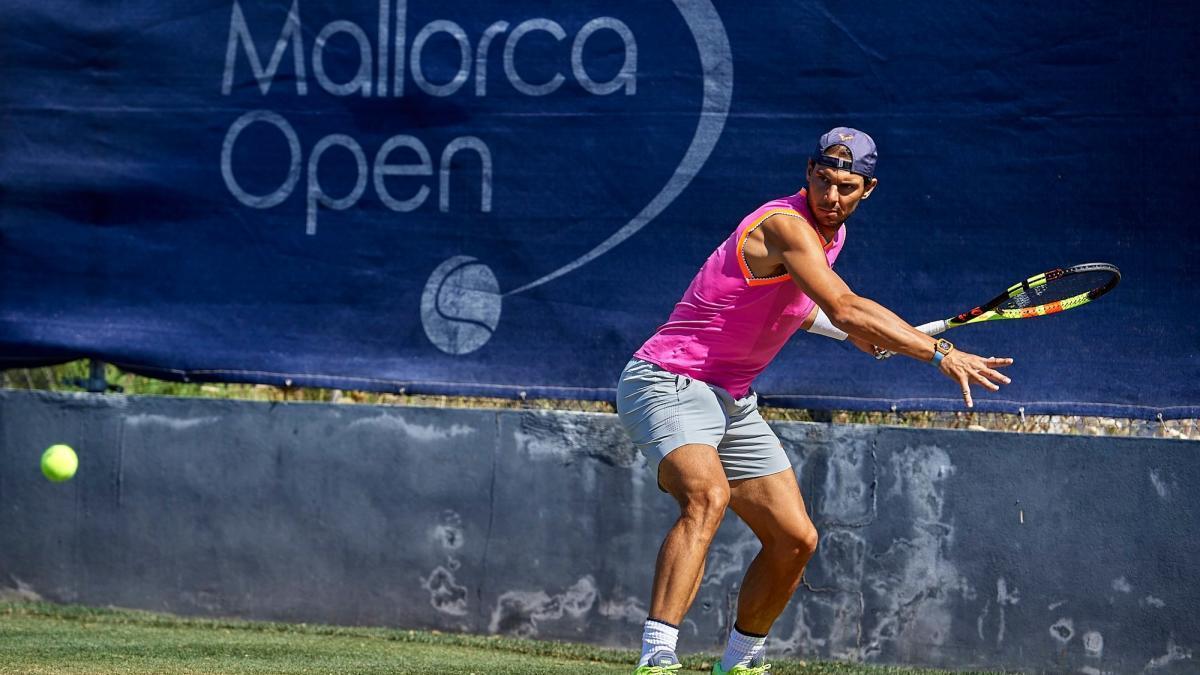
(981, 371)
(966, 391)
(987, 384)
(996, 376)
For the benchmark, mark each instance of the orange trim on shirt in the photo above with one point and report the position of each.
(741, 256)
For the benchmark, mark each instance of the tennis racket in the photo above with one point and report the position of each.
(1040, 295)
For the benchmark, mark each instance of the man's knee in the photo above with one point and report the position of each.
(706, 506)
(794, 547)
(807, 542)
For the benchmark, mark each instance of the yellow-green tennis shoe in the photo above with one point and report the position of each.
(662, 662)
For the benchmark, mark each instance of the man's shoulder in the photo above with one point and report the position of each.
(785, 215)
(789, 226)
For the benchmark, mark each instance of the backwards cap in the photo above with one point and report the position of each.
(860, 144)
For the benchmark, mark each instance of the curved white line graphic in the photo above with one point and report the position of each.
(716, 60)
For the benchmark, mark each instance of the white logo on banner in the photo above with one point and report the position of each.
(461, 301)
(460, 306)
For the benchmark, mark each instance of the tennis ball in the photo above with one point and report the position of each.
(59, 463)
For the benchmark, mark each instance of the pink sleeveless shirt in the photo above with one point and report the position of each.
(730, 324)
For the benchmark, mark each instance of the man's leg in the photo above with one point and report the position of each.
(774, 509)
(677, 422)
(693, 475)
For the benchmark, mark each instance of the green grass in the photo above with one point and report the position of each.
(38, 637)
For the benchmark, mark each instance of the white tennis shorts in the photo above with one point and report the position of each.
(663, 411)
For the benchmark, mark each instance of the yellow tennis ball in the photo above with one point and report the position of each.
(59, 463)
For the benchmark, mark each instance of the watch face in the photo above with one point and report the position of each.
(944, 346)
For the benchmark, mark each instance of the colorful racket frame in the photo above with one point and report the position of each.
(990, 311)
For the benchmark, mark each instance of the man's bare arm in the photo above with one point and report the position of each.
(800, 251)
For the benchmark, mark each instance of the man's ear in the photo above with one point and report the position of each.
(870, 186)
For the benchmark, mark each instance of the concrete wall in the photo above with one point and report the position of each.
(949, 548)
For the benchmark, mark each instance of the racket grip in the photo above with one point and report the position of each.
(931, 328)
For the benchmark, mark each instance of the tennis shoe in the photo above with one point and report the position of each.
(756, 667)
(662, 662)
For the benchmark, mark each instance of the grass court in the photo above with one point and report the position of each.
(39, 638)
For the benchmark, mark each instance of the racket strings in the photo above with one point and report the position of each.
(1058, 289)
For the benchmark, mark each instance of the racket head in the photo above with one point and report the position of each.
(1051, 292)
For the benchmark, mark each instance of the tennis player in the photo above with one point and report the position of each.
(686, 401)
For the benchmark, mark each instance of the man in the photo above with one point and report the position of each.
(686, 401)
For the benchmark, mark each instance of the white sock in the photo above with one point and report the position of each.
(657, 636)
(742, 649)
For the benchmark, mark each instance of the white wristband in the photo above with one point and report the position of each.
(822, 326)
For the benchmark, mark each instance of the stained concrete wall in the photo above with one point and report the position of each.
(965, 549)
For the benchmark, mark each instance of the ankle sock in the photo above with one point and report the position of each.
(657, 636)
(742, 648)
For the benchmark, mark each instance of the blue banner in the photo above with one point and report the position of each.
(507, 198)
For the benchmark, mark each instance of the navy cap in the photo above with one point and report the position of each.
(860, 144)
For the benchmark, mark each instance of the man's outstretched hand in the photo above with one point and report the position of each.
(964, 368)
(967, 369)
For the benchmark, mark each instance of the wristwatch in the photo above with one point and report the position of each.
(940, 349)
